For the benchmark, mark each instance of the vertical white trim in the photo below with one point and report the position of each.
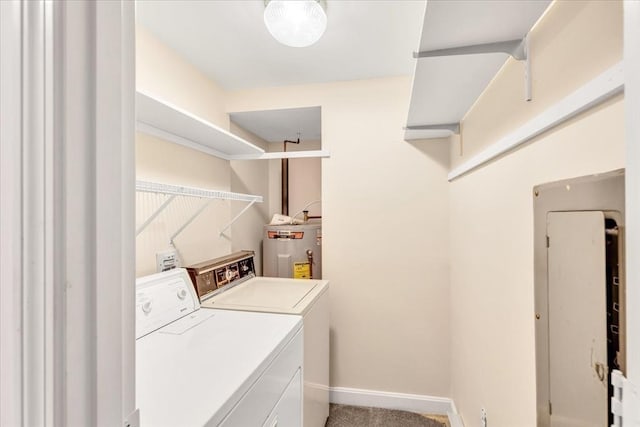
(36, 228)
(99, 187)
(77, 122)
(115, 182)
(632, 183)
(30, 92)
(108, 149)
(67, 212)
(55, 253)
(32, 342)
(127, 187)
(10, 214)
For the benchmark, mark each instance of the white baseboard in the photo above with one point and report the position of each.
(405, 402)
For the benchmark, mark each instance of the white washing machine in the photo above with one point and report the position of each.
(213, 367)
(306, 297)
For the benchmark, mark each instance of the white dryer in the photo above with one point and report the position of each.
(306, 297)
(213, 367)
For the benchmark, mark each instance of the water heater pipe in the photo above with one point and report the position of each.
(303, 210)
(310, 261)
(285, 179)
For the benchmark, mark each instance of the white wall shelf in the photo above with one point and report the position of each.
(164, 120)
(600, 89)
(207, 195)
(453, 67)
(285, 155)
(167, 121)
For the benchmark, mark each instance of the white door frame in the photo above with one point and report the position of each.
(11, 389)
(67, 263)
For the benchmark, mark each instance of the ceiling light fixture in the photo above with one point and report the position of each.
(295, 23)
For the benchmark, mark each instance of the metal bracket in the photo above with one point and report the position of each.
(155, 214)
(235, 218)
(514, 48)
(518, 49)
(190, 220)
(527, 69)
(453, 127)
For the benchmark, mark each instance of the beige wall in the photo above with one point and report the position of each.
(163, 73)
(250, 177)
(492, 318)
(385, 235)
(305, 180)
(305, 185)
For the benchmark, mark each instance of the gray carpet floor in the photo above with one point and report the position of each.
(358, 416)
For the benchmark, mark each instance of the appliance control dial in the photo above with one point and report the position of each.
(182, 293)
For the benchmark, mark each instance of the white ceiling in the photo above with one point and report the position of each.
(278, 125)
(229, 41)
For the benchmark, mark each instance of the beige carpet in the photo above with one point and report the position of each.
(358, 416)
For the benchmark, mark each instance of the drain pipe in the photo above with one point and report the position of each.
(285, 179)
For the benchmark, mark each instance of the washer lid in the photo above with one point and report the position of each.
(194, 371)
(269, 294)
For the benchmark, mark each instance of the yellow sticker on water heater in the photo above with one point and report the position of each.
(301, 270)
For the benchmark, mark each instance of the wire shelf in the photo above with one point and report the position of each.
(180, 190)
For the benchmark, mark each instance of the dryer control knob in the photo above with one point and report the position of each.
(182, 293)
(146, 307)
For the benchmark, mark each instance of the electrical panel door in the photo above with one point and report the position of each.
(578, 369)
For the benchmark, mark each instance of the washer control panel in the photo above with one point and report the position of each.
(237, 270)
(216, 275)
(162, 299)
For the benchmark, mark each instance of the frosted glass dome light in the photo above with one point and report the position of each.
(295, 23)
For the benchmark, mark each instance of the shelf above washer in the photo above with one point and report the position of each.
(463, 45)
(164, 120)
